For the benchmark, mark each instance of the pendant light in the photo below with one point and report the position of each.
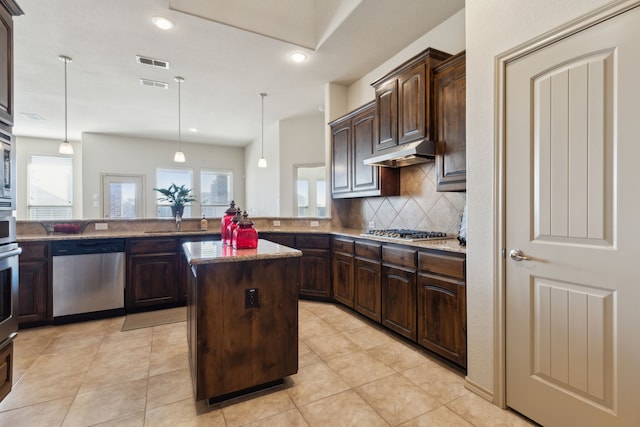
(262, 162)
(179, 156)
(65, 147)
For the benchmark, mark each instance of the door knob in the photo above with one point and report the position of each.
(518, 255)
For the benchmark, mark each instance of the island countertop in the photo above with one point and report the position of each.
(214, 251)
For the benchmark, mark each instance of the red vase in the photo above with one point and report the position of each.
(224, 223)
(244, 235)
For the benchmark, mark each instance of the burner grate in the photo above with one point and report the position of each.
(408, 235)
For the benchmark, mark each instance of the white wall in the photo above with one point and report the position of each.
(100, 153)
(447, 37)
(262, 186)
(493, 27)
(301, 142)
(25, 147)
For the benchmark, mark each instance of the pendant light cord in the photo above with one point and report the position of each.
(65, 99)
(179, 116)
(262, 95)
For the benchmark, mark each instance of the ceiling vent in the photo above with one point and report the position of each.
(159, 63)
(154, 83)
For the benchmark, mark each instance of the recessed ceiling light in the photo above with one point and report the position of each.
(298, 57)
(162, 22)
(194, 130)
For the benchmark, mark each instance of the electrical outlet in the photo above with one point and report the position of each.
(315, 224)
(276, 223)
(251, 298)
(102, 226)
(372, 224)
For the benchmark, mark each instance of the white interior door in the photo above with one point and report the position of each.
(572, 198)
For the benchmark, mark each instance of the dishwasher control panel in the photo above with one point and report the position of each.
(89, 246)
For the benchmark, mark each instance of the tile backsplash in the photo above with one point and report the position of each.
(418, 206)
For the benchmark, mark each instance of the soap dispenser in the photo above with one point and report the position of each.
(204, 224)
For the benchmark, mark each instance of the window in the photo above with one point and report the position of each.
(311, 191)
(49, 187)
(216, 192)
(303, 198)
(166, 177)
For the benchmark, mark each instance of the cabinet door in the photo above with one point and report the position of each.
(442, 317)
(315, 273)
(387, 111)
(6, 369)
(6, 67)
(33, 291)
(412, 105)
(365, 177)
(151, 280)
(399, 301)
(343, 286)
(451, 159)
(367, 285)
(341, 157)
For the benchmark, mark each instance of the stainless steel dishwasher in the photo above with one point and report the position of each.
(88, 276)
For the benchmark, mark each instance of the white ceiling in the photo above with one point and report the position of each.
(228, 51)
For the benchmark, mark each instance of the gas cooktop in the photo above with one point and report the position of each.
(408, 235)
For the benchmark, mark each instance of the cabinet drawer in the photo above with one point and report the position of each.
(369, 250)
(342, 245)
(34, 251)
(448, 265)
(313, 242)
(399, 256)
(151, 246)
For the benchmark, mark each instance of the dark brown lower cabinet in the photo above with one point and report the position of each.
(368, 276)
(442, 313)
(367, 284)
(6, 369)
(315, 273)
(34, 283)
(342, 266)
(399, 289)
(442, 317)
(399, 300)
(152, 273)
(315, 264)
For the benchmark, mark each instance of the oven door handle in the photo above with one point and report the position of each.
(10, 253)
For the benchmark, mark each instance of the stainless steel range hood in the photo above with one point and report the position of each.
(411, 153)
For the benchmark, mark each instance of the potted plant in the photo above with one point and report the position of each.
(178, 196)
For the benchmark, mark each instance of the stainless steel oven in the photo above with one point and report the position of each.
(7, 172)
(8, 292)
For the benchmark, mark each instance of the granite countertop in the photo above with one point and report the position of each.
(450, 245)
(213, 252)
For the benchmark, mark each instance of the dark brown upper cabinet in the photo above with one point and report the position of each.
(450, 112)
(8, 9)
(404, 101)
(353, 137)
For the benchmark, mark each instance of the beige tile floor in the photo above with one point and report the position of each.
(351, 373)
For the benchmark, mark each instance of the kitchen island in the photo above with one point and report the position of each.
(242, 317)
